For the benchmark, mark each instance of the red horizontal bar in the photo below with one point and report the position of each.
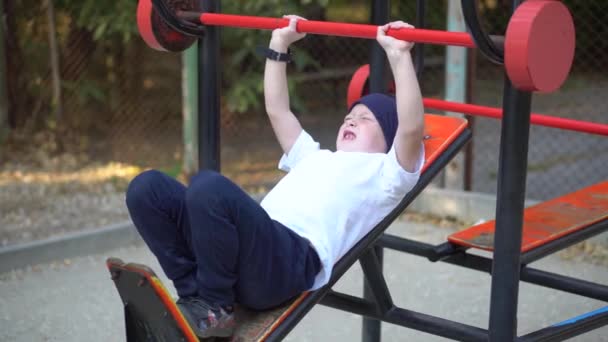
(338, 29)
(537, 119)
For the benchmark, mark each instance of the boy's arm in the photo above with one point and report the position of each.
(286, 126)
(410, 110)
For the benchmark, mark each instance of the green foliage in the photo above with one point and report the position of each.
(242, 67)
(103, 18)
(86, 91)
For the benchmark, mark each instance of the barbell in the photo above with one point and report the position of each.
(539, 42)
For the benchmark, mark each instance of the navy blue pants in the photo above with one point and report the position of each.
(214, 241)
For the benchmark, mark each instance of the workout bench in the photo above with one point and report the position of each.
(534, 61)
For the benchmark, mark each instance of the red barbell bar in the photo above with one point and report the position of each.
(338, 29)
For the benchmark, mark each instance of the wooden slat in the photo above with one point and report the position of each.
(547, 221)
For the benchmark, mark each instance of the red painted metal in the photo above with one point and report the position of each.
(358, 87)
(540, 42)
(338, 29)
(536, 119)
(114, 264)
(144, 24)
(440, 132)
(157, 33)
(547, 221)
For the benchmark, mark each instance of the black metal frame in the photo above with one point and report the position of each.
(484, 43)
(508, 266)
(209, 93)
(180, 25)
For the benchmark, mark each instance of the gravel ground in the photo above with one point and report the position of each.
(54, 200)
(74, 300)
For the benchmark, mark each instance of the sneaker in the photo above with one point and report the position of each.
(207, 320)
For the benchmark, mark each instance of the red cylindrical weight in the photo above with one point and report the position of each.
(357, 87)
(539, 46)
(156, 32)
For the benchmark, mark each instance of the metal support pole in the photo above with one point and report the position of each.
(469, 155)
(190, 97)
(371, 330)
(419, 48)
(455, 89)
(209, 94)
(509, 213)
(511, 193)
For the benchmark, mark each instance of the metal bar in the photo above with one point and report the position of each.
(209, 92)
(375, 280)
(431, 252)
(345, 302)
(469, 98)
(352, 256)
(405, 245)
(434, 253)
(190, 96)
(564, 241)
(564, 283)
(483, 264)
(436, 325)
(570, 328)
(338, 29)
(509, 212)
(488, 48)
(380, 12)
(406, 318)
(419, 48)
(537, 119)
(371, 329)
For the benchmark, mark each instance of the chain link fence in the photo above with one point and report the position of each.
(121, 101)
(558, 161)
(117, 101)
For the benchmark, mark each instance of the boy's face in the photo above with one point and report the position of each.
(360, 132)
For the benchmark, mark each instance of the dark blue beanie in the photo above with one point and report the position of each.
(384, 108)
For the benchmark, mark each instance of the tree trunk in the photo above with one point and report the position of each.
(17, 97)
(54, 52)
(4, 127)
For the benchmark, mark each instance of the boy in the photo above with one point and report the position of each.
(219, 247)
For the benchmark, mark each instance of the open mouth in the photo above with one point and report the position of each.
(348, 135)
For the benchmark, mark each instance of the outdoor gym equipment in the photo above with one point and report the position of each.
(538, 46)
(537, 53)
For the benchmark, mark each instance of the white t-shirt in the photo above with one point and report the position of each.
(333, 199)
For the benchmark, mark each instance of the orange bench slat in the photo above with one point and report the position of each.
(440, 132)
(546, 221)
